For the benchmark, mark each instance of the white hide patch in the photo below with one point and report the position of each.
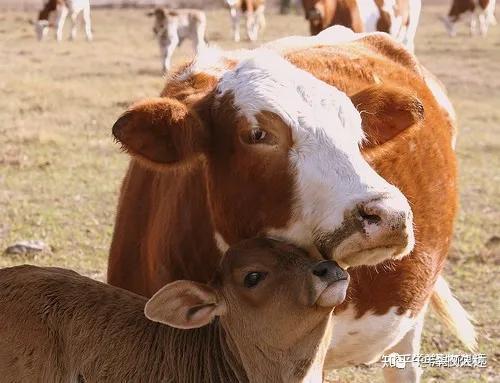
(364, 340)
(369, 14)
(222, 245)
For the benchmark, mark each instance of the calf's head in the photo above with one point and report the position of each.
(282, 150)
(268, 294)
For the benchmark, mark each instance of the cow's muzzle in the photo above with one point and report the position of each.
(372, 232)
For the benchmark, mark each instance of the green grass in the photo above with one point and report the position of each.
(60, 170)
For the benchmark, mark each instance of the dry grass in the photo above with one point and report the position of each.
(60, 170)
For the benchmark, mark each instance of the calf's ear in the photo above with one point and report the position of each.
(184, 304)
(161, 131)
(386, 111)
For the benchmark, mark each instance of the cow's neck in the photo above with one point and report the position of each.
(197, 355)
(300, 362)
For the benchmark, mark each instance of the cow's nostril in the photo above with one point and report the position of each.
(320, 271)
(368, 217)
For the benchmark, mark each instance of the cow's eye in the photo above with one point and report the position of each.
(256, 136)
(253, 279)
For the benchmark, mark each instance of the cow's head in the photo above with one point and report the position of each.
(317, 12)
(282, 155)
(160, 20)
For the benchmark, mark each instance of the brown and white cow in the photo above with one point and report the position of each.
(60, 9)
(399, 18)
(172, 27)
(325, 141)
(481, 12)
(255, 19)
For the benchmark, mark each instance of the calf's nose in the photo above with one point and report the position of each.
(329, 271)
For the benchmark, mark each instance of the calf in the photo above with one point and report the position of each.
(273, 304)
(255, 19)
(481, 12)
(171, 27)
(61, 9)
(399, 18)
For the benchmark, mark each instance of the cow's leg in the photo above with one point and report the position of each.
(473, 23)
(74, 23)
(87, 23)
(483, 23)
(251, 26)
(169, 51)
(449, 25)
(411, 30)
(410, 344)
(255, 23)
(62, 13)
(235, 23)
(199, 38)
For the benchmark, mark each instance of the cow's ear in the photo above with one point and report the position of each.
(386, 111)
(184, 304)
(161, 131)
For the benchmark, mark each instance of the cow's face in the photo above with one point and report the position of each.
(314, 11)
(160, 25)
(283, 159)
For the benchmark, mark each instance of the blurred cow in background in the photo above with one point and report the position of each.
(481, 12)
(54, 13)
(171, 27)
(255, 19)
(399, 18)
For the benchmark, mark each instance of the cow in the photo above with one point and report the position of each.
(60, 9)
(324, 141)
(255, 19)
(399, 18)
(272, 300)
(481, 12)
(171, 27)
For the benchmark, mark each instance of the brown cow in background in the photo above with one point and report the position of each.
(481, 12)
(399, 18)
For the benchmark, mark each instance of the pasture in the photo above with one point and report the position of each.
(60, 170)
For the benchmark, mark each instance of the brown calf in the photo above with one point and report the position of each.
(273, 303)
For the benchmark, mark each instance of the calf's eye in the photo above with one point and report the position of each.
(253, 279)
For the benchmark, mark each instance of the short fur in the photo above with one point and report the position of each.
(57, 326)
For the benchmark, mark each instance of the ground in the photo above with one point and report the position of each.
(60, 170)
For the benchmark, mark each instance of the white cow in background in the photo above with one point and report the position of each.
(255, 19)
(171, 27)
(60, 9)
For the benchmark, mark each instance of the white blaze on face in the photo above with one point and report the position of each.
(331, 176)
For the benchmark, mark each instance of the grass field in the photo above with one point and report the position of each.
(60, 169)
